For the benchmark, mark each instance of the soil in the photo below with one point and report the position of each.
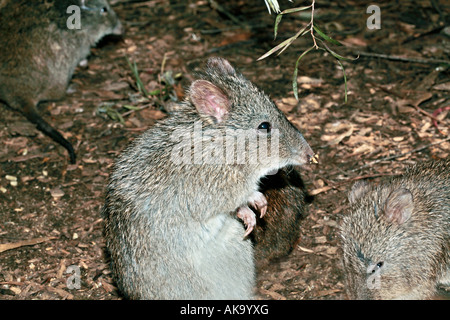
(51, 209)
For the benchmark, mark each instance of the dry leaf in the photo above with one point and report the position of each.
(443, 86)
(57, 193)
(274, 295)
(305, 249)
(320, 239)
(308, 80)
(355, 41)
(335, 127)
(320, 190)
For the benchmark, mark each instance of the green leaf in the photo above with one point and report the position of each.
(299, 34)
(294, 78)
(130, 107)
(112, 113)
(277, 22)
(284, 45)
(272, 4)
(325, 37)
(276, 48)
(135, 72)
(336, 55)
(345, 81)
(155, 92)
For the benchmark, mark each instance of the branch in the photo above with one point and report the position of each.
(404, 59)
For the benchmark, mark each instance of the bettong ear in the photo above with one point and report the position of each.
(359, 189)
(399, 206)
(209, 100)
(220, 65)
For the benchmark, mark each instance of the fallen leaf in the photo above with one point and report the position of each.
(274, 295)
(57, 193)
(333, 139)
(305, 249)
(443, 86)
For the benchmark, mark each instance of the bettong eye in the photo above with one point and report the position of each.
(104, 10)
(265, 126)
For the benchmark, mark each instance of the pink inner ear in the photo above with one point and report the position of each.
(209, 100)
(216, 105)
(399, 206)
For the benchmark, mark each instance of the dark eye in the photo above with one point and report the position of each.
(104, 10)
(265, 126)
(378, 266)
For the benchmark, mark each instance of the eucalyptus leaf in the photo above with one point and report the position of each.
(293, 10)
(336, 55)
(274, 49)
(130, 107)
(277, 22)
(294, 78)
(325, 37)
(345, 81)
(299, 34)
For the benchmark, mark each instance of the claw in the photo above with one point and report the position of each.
(259, 201)
(248, 216)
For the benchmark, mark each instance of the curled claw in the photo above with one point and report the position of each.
(259, 201)
(248, 216)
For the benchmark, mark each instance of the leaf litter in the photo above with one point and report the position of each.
(397, 114)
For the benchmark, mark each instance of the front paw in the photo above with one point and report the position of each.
(259, 202)
(248, 216)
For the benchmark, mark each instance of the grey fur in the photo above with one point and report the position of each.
(171, 228)
(40, 53)
(396, 238)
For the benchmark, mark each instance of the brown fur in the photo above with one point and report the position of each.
(278, 232)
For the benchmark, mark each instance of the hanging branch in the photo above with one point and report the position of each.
(310, 28)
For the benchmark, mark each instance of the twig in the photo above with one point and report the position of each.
(212, 31)
(230, 45)
(404, 59)
(219, 8)
(9, 246)
(414, 104)
(432, 116)
(426, 33)
(137, 109)
(312, 25)
(400, 155)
